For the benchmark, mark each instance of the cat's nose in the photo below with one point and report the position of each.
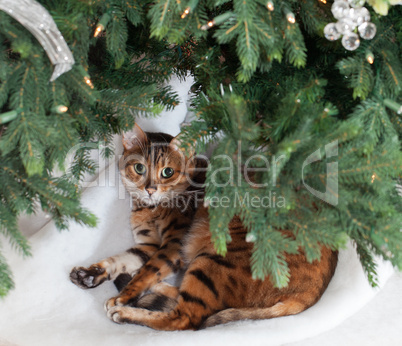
(151, 190)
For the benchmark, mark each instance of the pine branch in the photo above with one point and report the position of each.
(134, 12)
(369, 266)
(6, 283)
(360, 75)
(269, 256)
(116, 36)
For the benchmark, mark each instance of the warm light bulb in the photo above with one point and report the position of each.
(370, 57)
(210, 24)
(373, 178)
(89, 82)
(270, 6)
(185, 13)
(60, 109)
(291, 18)
(218, 20)
(324, 1)
(98, 30)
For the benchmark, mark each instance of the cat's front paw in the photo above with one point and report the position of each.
(113, 302)
(127, 314)
(116, 314)
(88, 277)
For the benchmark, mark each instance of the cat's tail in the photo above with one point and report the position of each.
(289, 307)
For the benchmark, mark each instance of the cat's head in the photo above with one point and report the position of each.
(153, 168)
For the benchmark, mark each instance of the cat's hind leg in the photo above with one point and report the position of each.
(183, 317)
(189, 313)
(195, 303)
(165, 289)
(165, 262)
(160, 320)
(163, 297)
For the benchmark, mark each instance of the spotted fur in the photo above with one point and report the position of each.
(217, 290)
(163, 210)
(214, 289)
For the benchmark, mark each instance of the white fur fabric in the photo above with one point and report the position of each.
(47, 309)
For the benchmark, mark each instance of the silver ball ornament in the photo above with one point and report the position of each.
(367, 31)
(356, 3)
(331, 32)
(340, 9)
(350, 41)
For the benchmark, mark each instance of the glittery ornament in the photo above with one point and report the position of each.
(356, 3)
(348, 19)
(40, 23)
(340, 9)
(350, 41)
(367, 31)
(359, 15)
(345, 25)
(331, 32)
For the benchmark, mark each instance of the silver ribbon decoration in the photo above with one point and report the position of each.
(40, 23)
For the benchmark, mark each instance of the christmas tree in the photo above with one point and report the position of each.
(313, 118)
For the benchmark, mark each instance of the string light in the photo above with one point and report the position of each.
(60, 109)
(191, 5)
(291, 18)
(185, 13)
(217, 20)
(395, 106)
(9, 116)
(102, 24)
(373, 177)
(98, 30)
(89, 82)
(323, 1)
(370, 57)
(85, 75)
(210, 24)
(270, 6)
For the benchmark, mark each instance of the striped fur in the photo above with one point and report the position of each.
(214, 289)
(159, 221)
(217, 290)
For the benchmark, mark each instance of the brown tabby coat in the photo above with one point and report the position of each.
(163, 210)
(214, 289)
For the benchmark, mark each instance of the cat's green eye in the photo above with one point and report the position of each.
(140, 168)
(167, 172)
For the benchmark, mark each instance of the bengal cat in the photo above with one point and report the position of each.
(158, 177)
(214, 289)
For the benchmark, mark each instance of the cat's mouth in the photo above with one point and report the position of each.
(167, 200)
(148, 201)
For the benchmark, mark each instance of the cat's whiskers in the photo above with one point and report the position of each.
(192, 191)
(143, 149)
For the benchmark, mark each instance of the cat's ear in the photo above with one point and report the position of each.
(134, 138)
(176, 144)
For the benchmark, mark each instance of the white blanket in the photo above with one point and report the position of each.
(47, 309)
